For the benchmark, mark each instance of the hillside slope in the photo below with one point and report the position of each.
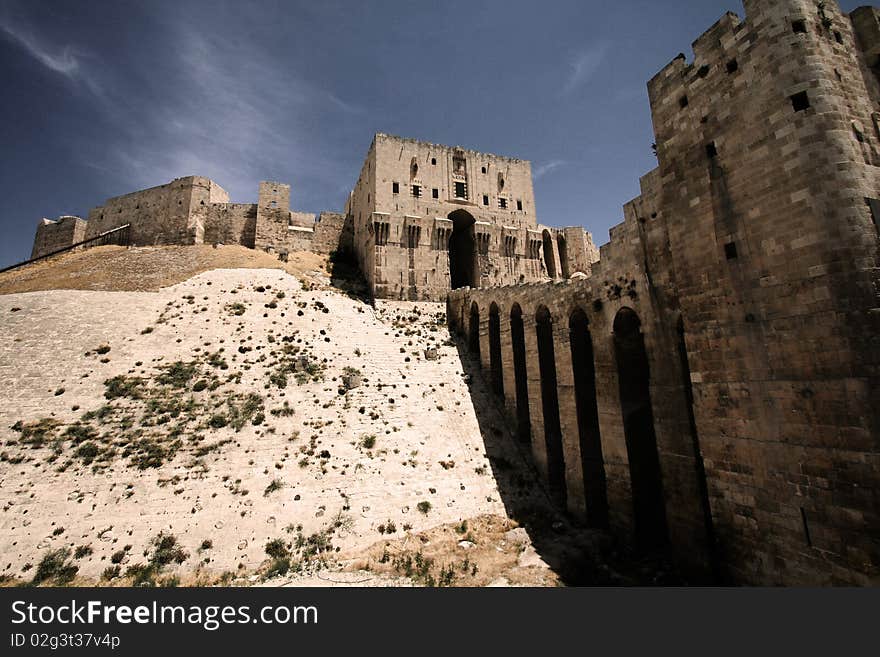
(236, 421)
(148, 268)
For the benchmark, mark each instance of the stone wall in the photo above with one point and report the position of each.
(195, 210)
(333, 232)
(58, 234)
(231, 223)
(174, 213)
(750, 261)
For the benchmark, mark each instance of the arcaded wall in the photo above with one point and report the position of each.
(750, 261)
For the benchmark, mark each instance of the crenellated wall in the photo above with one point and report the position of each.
(754, 246)
(195, 210)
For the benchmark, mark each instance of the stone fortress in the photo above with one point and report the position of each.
(196, 210)
(422, 220)
(707, 385)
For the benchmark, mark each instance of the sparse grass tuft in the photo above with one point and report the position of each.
(274, 485)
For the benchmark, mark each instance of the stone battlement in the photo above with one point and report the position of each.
(709, 387)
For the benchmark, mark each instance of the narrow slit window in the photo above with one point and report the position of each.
(874, 207)
(395, 188)
(485, 200)
(807, 537)
(519, 205)
(857, 133)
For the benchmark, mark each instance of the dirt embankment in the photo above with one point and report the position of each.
(147, 269)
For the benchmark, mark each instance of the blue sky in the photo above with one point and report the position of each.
(101, 98)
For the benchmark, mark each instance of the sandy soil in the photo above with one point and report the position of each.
(171, 436)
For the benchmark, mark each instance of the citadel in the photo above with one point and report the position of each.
(707, 383)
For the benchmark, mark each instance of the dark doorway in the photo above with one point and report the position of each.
(699, 466)
(549, 260)
(550, 405)
(588, 419)
(638, 425)
(495, 365)
(563, 255)
(518, 342)
(474, 330)
(462, 252)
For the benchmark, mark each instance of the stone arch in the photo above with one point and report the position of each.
(634, 377)
(550, 405)
(549, 258)
(563, 255)
(462, 251)
(587, 409)
(496, 366)
(474, 330)
(699, 466)
(520, 371)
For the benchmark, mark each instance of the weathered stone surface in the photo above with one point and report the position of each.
(713, 383)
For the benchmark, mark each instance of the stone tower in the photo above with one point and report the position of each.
(768, 149)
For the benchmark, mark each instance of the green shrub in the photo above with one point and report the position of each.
(82, 551)
(277, 549)
(274, 485)
(237, 309)
(111, 572)
(123, 386)
(36, 434)
(55, 567)
(177, 375)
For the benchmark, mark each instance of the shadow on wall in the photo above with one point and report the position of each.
(346, 276)
(579, 556)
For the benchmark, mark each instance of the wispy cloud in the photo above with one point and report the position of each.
(65, 60)
(546, 168)
(584, 65)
